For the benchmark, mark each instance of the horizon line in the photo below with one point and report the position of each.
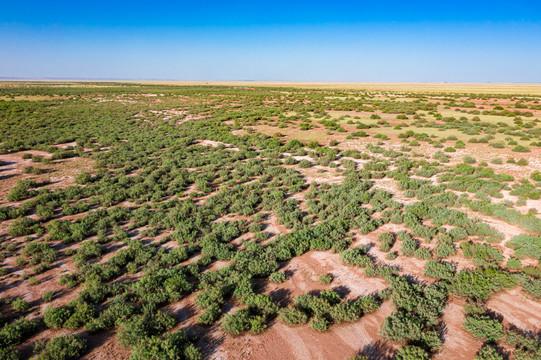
(100, 79)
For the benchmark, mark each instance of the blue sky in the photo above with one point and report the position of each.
(459, 41)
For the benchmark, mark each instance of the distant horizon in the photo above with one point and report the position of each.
(16, 78)
(317, 41)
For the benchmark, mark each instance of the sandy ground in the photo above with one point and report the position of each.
(59, 174)
(301, 342)
(458, 343)
(517, 309)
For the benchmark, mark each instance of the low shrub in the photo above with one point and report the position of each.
(484, 327)
(488, 352)
(325, 279)
(277, 277)
(62, 348)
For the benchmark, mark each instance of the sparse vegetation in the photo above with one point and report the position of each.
(241, 208)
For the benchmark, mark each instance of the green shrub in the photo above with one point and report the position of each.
(440, 270)
(522, 162)
(532, 287)
(513, 264)
(536, 176)
(423, 253)
(401, 325)
(526, 347)
(430, 340)
(325, 279)
(277, 277)
(137, 329)
(488, 352)
(359, 357)
(47, 296)
(411, 352)
(319, 323)
(481, 283)
(9, 353)
(355, 256)
(71, 316)
(13, 333)
(408, 246)
(257, 324)
(483, 252)
(83, 178)
(526, 246)
(20, 305)
(237, 322)
(293, 316)
(169, 346)
(484, 327)
(444, 250)
(23, 226)
(468, 159)
(56, 317)
(520, 148)
(21, 190)
(387, 241)
(63, 348)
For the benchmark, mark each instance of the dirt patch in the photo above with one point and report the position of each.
(105, 346)
(517, 309)
(301, 342)
(304, 272)
(58, 174)
(458, 343)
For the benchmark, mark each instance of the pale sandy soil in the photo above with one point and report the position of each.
(60, 173)
(458, 343)
(105, 346)
(179, 114)
(216, 143)
(517, 309)
(530, 204)
(274, 227)
(508, 230)
(389, 185)
(306, 269)
(320, 174)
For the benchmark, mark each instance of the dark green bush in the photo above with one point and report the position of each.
(325, 278)
(293, 316)
(319, 323)
(411, 352)
(137, 329)
(484, 327)
(63, 348)
(169, 346)
(440, 270)
(488, 352)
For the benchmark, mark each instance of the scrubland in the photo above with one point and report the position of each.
(249, 221)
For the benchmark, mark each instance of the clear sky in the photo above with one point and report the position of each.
(433, 41)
